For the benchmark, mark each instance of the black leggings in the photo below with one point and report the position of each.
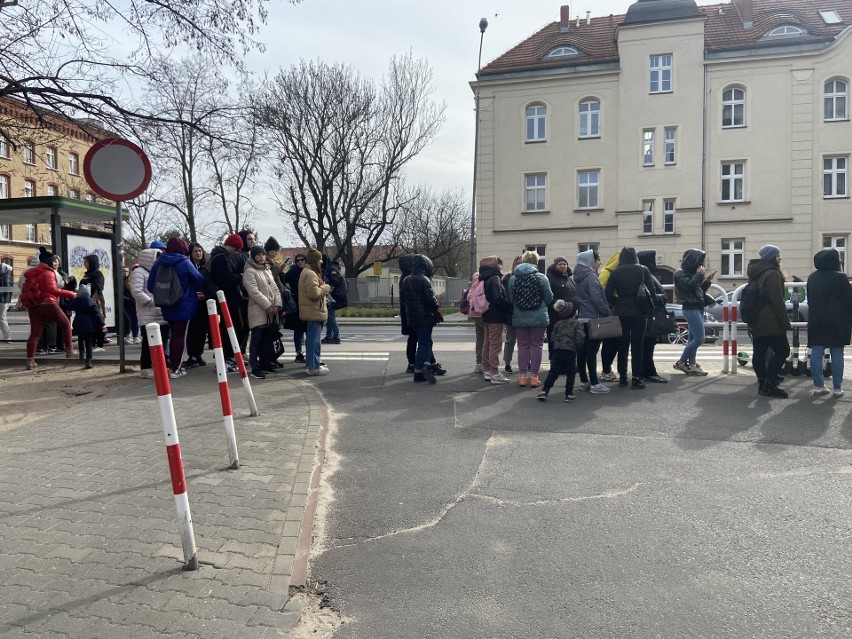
(587, 359)
(632, 336)
(768, 369)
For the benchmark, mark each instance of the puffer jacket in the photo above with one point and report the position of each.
(312, 296)
(537, 316)
(40, 282)
(623, 284)
(830, 302)
(772, 319)
(568, 335)
(405, 268)
(589, 298)
(417, 294)
(262, 292)
(562, 286)
(146, 312)
(690, 285)
(87, 317)
(191, 281)
(499, 307)
(224, 276)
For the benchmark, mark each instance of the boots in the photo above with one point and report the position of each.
(637, 383)
(772, 390)
(31, 364)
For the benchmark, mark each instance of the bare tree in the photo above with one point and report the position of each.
(342, 144)
(147, 220)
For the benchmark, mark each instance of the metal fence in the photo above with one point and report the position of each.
(383, 290)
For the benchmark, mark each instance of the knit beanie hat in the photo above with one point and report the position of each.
(177, 245)
(559, 259)
(769, 252)
(256, 250)
(314, 256)
(45, 256)
(272, 245)
(83, 291)
(157, 244)
(234, 241)
(563, 309)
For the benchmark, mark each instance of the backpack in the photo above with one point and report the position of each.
(29, 294)
(527, 293)
(476, 297)
(340, 291)
(167, 288)
(750, 303)
(464, 303)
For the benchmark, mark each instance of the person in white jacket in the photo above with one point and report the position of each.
(146, 312)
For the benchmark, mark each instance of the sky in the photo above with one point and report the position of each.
(367, 33)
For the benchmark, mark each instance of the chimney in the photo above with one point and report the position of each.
(564, 17)
(588, 17)
(746, 10)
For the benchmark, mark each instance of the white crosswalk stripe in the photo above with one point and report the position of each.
(339, 356)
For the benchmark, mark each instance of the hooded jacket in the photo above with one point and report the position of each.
(690, 285)
(589, 298)
(499, 308)
(191, 281)
(562, 286)
(292, 321)
(772, 319)
(417, 294)
(312, 296)
(648, 259)
(87, 317)
(262, 292)
(146, 312)
(623, 284)
(93, 277)
(537, 316)
(829, 302)
(225, 277)
(40, 282)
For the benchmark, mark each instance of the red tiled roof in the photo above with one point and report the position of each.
(723, 31)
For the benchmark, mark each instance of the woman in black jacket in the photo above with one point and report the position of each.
(405, 262)
(421, 307)
(559, 276)
(94, 279)
(829, 319)
(648, 259)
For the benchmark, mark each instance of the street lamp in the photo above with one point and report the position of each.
(483, 25)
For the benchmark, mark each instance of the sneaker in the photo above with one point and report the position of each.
(300, 358)
(107, 340)
(608, 377)
(682, 366)
(508, 369)
(88, 363)
(534, 381)
(53, 350)
(410, 368)
(479, 368)
(498, 378)
(200, 362)
(128, 340)
(428, 375)
(147, 373)
(231, 366)
(697, 370)
(190, 363)
(268, 369)
(656, 379)
(41, 351)
(542, 396)
(418, 378)
(570, 397)
(622, 380)
(585, 387)
(325, 340)
(257, 374)
(177, 374)
(487, 376)
(137, 340)
(771, 390)
(820, 390)
(334, 340)
(98, 349)
(637, 384)
(838, 392)
(598, 389)
(437, 369)
(318, 372)
(522, 379)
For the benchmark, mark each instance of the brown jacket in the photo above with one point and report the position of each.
(312, 296)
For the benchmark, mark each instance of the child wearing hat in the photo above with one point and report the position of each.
(567, 338)
(87, 322)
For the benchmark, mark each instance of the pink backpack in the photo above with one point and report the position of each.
(476, 297)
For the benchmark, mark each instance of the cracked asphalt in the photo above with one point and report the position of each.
(692, 509)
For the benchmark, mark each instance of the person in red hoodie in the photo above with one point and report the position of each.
(40, 295)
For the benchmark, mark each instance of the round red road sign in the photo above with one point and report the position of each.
(117, 169)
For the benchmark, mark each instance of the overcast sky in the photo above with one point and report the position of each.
(366, 33)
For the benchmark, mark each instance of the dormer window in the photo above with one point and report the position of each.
(785, 31)
(562, 52)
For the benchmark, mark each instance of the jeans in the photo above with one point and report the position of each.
(817, 353)
(530, 343)
(411, 347)
(313, 345)
(39, 316)
(695, 322)
(4, 325)
(767, 369)
(331, 329)
(424, 345)
(632, 337)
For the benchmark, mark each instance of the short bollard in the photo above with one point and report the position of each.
(167, 414)
(238, 354)
(224, 392)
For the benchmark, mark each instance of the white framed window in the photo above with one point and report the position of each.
(830, 16)
(785, 31)
(648, 147)
(562, 52)
(671, 146)
(836, 100)
(535, 119)
(29, 152)
(541, 249)
(733, 181)
(834, 176)
(733, 257)
(5, 231)
(668, 216)
(4, 148)
(590, 119)
(5, 187)
(588, 189)
(29, 188)
(661, 73)
(50, 157)
(733, 107)
(73, 164)
(648, 217)
(582, 247)
(74, 194)
(30, 232)
(90, 197)
(536, 192)
(52, 189)
(838, 242)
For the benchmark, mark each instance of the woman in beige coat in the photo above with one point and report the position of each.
(313, 309)
(263, 306)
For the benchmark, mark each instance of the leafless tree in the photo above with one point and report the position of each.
(147, 220)
(342, 144)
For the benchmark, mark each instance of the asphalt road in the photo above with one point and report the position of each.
(469, 511)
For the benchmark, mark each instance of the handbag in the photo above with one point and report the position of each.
(604, 327)
(290, 305)
(643, 297)
(662, 323)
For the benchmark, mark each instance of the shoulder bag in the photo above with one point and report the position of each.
(604, 327)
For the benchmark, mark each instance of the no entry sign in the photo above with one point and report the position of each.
(117, 169)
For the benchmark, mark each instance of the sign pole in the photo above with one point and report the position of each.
(118, 261)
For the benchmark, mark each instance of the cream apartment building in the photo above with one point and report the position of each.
(723, 127)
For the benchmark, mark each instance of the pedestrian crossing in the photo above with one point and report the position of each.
(355, 356)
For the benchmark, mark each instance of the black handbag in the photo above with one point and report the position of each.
(643, 296)
(290, 305)
(661, 323)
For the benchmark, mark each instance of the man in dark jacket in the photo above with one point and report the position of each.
(421, 307)
(559, 276)
(405, 264)
(499, 313)
(292, 321)
(622, 289)
(691, 284)
(829, 319)
(225, 278)
(770, 330)
(648, 259)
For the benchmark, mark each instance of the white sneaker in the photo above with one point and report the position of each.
(98, 349)
(487, 377)
(147, 373)
(498, 378)
(598, 389)
(128, 340)
(177, 374)
(838, 392)
(585, 387)
(820, 390)
(138, 340)
(317, 372)
(479, 368)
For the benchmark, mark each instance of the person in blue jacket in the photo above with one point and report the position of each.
(88, 322)
(178, 315)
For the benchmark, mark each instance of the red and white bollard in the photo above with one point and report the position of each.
(167, 414)
(238, 354)
(222, 376)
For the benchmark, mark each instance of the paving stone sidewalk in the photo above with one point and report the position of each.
(89, 538)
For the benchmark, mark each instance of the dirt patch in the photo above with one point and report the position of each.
(26, 396)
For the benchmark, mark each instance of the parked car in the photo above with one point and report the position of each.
(716, 311)
(681, 336)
